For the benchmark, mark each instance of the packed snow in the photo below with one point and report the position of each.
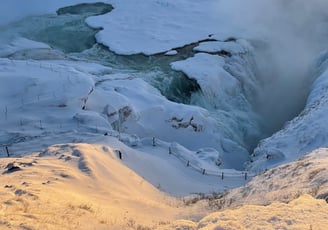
(169, 24)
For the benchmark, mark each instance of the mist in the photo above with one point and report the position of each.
(287, 35)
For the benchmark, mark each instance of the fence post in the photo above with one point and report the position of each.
(203, 171)
(154, 142)
(7, 150)
(222, 175)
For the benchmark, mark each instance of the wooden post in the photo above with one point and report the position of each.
(222, 175)
(203, 171)
(154, 142)
(7, 150)
(188, 164)
(245, 175)
(170, 151)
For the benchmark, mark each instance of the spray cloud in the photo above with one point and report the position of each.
(287, 36)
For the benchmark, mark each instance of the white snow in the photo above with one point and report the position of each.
(78, 186)
(232, 47)
(157, 26)
(19, 44)
(171, 52)
(80, 102)
(208, 70)
(46, 106)
(274, 199)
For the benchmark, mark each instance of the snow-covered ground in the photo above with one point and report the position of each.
(170, 24)
(65, 101)
(78, 186)
(302, 213)
(256, 204)
(85, 186)
(70, 107)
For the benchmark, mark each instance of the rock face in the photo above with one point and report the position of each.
(11, 167)
(98, 8)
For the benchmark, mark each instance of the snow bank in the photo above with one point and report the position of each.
(224, 47)
(286, 182)
(282, 197)
(157, 26)
(20, 44)
(39, 97)
(217, 84)
(302, 213)
(78, 186)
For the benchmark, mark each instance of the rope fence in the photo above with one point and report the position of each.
(219, 173)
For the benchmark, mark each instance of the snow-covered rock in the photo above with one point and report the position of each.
(129, 31)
